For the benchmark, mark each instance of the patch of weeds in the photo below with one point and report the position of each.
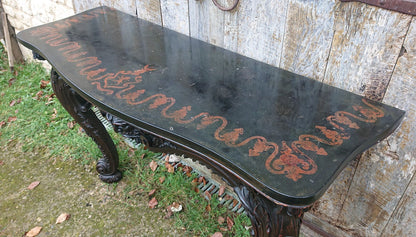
(201, 216)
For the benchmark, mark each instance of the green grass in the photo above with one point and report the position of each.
(32, 117)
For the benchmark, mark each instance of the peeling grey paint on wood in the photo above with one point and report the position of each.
(308, 36)
(206, 22)
(366, 44)
(402, 93)
(382, 175)
(175, 15)
(128, 6)
(261, 28)
(149, 10)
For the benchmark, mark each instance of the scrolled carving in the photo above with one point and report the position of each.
(137, 134)
(105, 172)
(268, 218)
(80, 110)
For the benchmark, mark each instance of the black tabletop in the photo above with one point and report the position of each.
(288, 134)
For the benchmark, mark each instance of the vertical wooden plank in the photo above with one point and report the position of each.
(367, 42)
(175, 15)
(329, 206)
(308, 37)
(402, 93)
(364, 51)
(206, 22)
(371, 47)
(261, 27)
(366, 45)
(128, 6)
(149, 10)
(402, 222)
(231, 27)
(83, 5)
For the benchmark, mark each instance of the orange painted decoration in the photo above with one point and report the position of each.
(294, 159)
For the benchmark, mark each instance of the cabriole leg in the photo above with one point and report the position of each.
(80, 110)
(268, 218)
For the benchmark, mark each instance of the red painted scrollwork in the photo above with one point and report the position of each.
(293, 159)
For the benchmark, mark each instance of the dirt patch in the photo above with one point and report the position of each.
(96, 209)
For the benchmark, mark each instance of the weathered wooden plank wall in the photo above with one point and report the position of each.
(360, 48)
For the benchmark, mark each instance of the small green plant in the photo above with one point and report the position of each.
(31, 118)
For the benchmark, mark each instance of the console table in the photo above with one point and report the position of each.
(279, 139)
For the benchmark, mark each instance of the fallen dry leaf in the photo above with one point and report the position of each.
(2, 123)
(15, 102)
(153, 203)
(230, 223)
(1, 162)
(187, 170)
(169, 167)
(12, 119)
(34, 231)
(142, 156)
(33, 185)
(130, 152)
(43, 84)
(202, 180)
(176, 207)
(71, 124)
(223, 229)
(11, 81)
(221, 220)
(152, 192)
(228, 197)
(217, 234)
(63, 217)
(153, 165)
(169, 212)
(208, 208)
(221, 191)
(173, 158)
(38, 95)
(207, 195)
(55, 113)
(162, 179)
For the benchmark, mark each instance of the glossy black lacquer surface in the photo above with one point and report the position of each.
(287, 134)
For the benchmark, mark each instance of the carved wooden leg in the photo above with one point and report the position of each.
(268, 218)
(80, 110)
